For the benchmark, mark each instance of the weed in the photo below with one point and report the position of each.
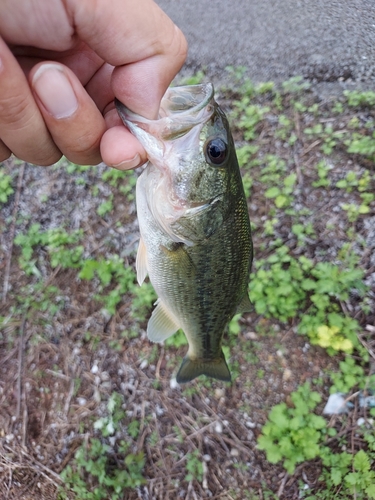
(362, 145)
(194, 466)
(283, 195)
(282, 287)
(105, 207)
(250, 116)
(123, 180)
(194, 79)
(295, 85)
(58, 243)
(293, 434)
(349, 376)
(323, 169)
(6, 188)
(357, 98)
(100, 471)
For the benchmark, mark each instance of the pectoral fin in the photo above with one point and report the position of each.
(141, 262)
(162, 324)
(192, 368)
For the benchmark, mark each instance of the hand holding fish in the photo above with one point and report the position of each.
(61, 65)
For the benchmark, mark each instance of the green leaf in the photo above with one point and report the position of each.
(370, 490)
(361, 461)
(336, 476)
(272, 192)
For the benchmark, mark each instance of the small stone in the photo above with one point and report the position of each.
(234, 452)
(96, 395)
(335, 405)
(144, 364)
(81, 401)
(206, 458)
(173, 384)
(219, 393)
(218, 427)
(94, 369)
(105, 376)
(287, 375)
(106, 385)
(251, 336)
(250, 424)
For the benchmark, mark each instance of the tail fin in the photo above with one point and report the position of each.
(215, 368)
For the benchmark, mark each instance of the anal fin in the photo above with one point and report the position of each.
(162, 324)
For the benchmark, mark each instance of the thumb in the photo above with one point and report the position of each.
(139, 39)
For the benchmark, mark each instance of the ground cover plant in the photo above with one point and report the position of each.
(88, 406)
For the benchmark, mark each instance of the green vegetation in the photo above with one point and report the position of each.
(92, 475)
(306, 290)
(293, 434)
(6, 188)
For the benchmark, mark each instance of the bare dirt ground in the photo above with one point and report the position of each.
(62, 356)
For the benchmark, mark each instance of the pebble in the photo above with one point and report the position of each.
(219, 393)
(218, 427)
(251, 336)
(250, 424)
(105, 376)
(362, 421)
(144, 364)
(173, 384)
(287, 375)
(94, 369)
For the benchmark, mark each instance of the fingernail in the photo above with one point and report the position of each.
(55, 91)
(129, 164)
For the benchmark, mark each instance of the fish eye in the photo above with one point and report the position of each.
(216, 151)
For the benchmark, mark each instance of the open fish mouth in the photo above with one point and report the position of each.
(181, 109)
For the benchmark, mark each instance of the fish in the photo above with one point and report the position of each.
(195, 238)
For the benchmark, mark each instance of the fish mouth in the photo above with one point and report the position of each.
(181, 109)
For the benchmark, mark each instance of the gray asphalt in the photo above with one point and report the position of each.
(327, 41)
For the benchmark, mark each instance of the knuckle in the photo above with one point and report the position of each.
(13, 110)
(85, 150)
(46, 161)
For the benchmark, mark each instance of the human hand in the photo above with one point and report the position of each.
(62, 62)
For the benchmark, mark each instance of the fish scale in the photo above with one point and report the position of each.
(195, 232)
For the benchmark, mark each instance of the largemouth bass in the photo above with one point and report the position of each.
(195, 232)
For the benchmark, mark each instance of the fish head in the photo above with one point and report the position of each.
(189, 147)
